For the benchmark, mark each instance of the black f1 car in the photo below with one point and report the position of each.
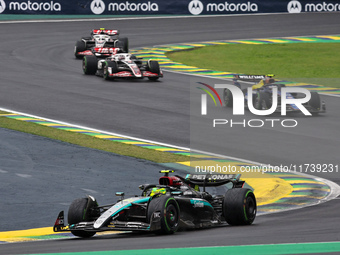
(121, 65)
(175, 203)
(263, 93)
(100, 40)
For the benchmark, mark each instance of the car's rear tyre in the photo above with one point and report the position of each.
(114, 69)
(79, 47)
(168, 210)
(153, 67)
(81, 210)
(227, 98)
(315, 100)
(123, 43)
(239, 206)
(90, 65)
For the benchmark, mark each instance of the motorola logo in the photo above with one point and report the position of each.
(97, 6)
(294, 6)
(2, 6)
(195, 7)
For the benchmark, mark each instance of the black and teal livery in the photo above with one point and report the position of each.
(175, 203)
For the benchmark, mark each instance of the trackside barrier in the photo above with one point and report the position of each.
(165, 7)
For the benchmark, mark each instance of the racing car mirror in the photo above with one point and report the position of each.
(120, 194)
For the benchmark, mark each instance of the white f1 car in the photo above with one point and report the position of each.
(100, 40)
(122, 65)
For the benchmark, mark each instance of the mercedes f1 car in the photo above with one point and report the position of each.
(175, 203)
(121, 65)
(262, 95)
(100, 43)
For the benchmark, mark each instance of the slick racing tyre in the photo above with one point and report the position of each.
(123, 43)
(263, 101)
(90, 65)
(114, 69)
(79, 47)
(81, 209)
(239, 206)
(167, 209)
(315, 100)
(228, 98)
(153, 67)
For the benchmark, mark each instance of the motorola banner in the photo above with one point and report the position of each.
(296, 6)
(32, 7)
(206, 7)
(161, 7)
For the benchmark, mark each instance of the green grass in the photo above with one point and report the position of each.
(309, 62)
(90, 142)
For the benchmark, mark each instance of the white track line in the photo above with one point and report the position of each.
(130, 137)
(133, 18)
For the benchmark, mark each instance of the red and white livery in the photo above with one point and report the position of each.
(122, 65)
(101, 38)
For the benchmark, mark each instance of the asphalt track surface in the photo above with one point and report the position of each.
(35, 173)
(40, 76)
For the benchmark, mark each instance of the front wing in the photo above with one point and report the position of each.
(129, 74)
(114, 225)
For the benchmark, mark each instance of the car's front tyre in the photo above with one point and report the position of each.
(153, 67)
(81, 210)
(90, 65)
(168, 210)
(112, 66)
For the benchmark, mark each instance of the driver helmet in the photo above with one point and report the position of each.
(156, 191)
(121, 57)
(101, 39)
(269, 80)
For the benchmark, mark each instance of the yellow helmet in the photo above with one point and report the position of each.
(156, 191)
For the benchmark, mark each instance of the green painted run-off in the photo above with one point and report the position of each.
(264, 249)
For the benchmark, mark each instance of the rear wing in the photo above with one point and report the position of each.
(105, 31)
(252, 78)
(212, 180)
